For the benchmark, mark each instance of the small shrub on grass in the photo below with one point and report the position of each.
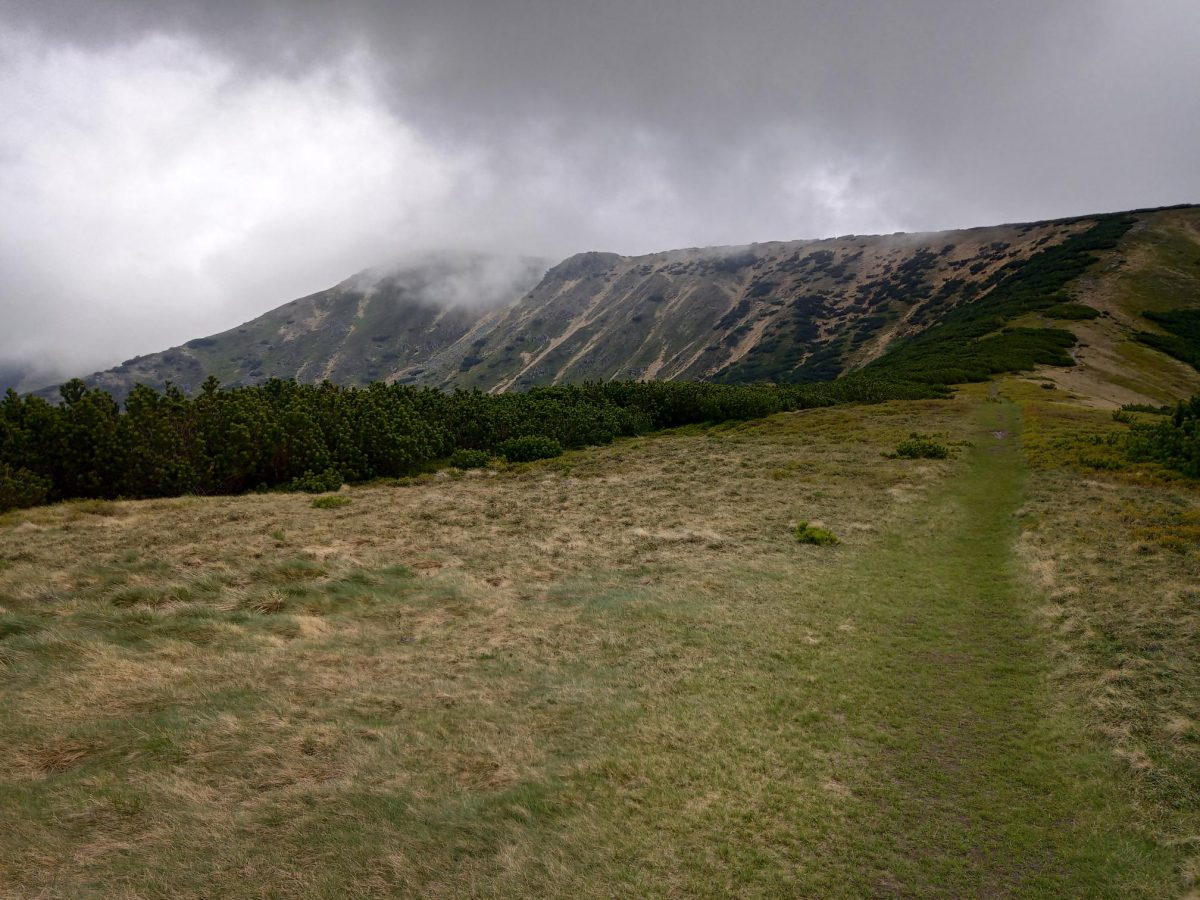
(316, 483)
(1071, 311)
(812, 534)
(1103, 463)
(332, 501)
(530, 448)
(470, 459)
(1146, 408)
(917, 447)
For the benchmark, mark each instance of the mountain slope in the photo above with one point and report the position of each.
(794, 311)
(779, 311)
(367, 328)
(1155, 269)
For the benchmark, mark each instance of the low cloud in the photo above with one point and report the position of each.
(171, 168)
(151, 196)
(458, 278)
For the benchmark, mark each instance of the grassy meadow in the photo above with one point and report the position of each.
(619, 673)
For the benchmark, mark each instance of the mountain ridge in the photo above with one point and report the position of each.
(786, 311)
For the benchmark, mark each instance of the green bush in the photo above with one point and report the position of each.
(1145, 408)
(470, 459)
(812, 534)
(20, 488)
(530, 448)
(917, 447)
(330, 501)
(1071, 311)
(1183, 339)
(1174, 443)
(313, 483)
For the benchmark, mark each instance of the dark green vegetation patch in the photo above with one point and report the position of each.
(315, 437)
(530, 448)
(1174, 443)
(1183, 339)
(972, 343)
(316, 482)
(20, 487)
(917, 447)
(469, 459)
(1071, 311)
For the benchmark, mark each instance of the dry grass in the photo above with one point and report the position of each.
(614, 672)
(1117, 555)
(181, 675)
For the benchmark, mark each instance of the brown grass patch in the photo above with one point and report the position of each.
(1121, 561)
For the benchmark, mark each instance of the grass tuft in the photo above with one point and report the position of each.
(814, 534)
(333, 501)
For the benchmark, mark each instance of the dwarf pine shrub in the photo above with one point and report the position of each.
(470, 459)
(306, 437)
(1174, 443)
(530, 448)
(20, 488)
(917, 447)
(1071, 311)
(315, 483)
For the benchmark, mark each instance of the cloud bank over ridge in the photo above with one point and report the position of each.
(170, 169)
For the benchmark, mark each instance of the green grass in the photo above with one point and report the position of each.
(1168, 274)
(990, 787)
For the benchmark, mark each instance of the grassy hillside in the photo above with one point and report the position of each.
(619, 673)
(1154, 269)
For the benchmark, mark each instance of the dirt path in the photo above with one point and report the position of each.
(972, 780)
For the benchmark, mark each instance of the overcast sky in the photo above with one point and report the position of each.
(170, 169)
